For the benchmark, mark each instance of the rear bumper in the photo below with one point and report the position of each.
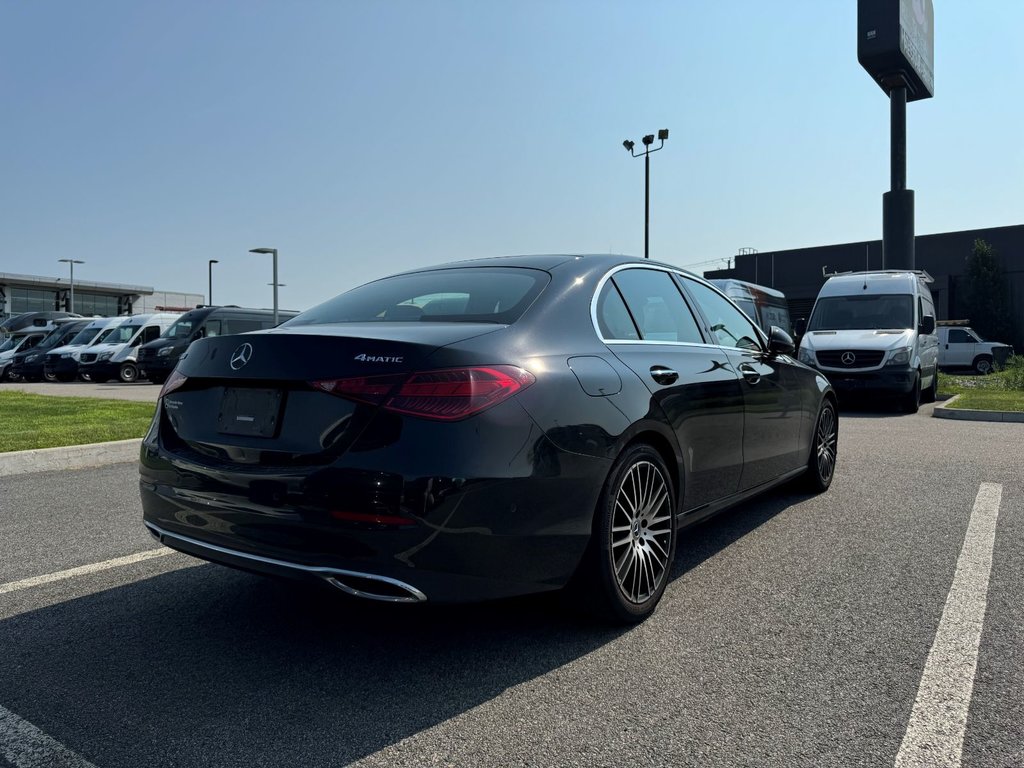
(454, 529)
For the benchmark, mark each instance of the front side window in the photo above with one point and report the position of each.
(959, 336)
(657, 307)
(729, 325)
(468, 295)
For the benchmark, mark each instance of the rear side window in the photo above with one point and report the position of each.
(469, 295)
(657, 306)
(612, 316)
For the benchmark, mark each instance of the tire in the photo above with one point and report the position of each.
(931, 394)
(912, 400)
(983, 364)
(128, 373)
(821, 463)
(629, 560)
(51, 377)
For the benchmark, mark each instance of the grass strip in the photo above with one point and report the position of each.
(989, 400)
(30, 421)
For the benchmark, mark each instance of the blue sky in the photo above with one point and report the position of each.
(363, 138)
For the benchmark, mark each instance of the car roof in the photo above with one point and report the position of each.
(550, 262)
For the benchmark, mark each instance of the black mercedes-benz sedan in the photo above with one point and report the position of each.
(484, 429)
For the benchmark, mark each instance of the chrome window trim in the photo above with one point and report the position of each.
(668, 270)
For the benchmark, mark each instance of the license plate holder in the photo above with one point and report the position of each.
(250, 412)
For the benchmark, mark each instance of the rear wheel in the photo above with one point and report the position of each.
(821, 464)
(628, 563)
(983, 364)
(128, 373)
(912, 400)
(49, 376)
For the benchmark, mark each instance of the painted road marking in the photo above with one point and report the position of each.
(935, 733)
(83, 570)
(25, 746)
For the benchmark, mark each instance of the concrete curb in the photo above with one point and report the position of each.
(965, 414)
(71, 457)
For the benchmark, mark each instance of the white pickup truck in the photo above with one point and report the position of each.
(963, 348)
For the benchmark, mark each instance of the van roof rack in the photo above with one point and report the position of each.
(919, 272)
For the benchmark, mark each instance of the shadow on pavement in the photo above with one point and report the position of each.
(208, 666)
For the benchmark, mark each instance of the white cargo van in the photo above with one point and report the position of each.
(874, 332)
(116, 352)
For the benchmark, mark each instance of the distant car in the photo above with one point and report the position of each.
(14, 344)
(962, 347)
(116, 354)
(157, 358)
(483, 429)
(765, 306)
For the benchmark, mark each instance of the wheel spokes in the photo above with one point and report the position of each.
(641, 531)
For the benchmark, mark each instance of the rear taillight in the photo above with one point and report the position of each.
(446, 395)
(174, 381)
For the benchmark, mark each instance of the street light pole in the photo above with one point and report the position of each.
(647, 141)
(272, 251)
(209, 266)
(71, 292)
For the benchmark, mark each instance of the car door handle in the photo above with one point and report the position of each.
(750, 373)
(664, 375)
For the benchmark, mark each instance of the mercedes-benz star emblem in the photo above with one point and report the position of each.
(848, 358)
(241, 356)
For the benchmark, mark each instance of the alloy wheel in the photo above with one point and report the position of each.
(641, 532)
(826, 438)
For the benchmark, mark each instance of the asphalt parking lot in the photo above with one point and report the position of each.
(797, 631)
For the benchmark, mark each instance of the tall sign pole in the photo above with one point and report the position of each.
(895, 44)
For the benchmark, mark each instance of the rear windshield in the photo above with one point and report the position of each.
(885, 311)
(470, 295)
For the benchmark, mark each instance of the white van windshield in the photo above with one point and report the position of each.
(122, 334)
(885, 311)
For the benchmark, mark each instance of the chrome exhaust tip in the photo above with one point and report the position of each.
(370, 587)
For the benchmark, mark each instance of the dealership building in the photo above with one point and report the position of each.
(800, 273)
(33, 293)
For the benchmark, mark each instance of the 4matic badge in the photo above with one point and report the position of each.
(378, 359)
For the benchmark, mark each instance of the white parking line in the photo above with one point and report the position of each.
(935, 733)
(83, 570)
(25, 746)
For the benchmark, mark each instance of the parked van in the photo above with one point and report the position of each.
(765, 306)
(962, 347)
(61, 363)
(116, 352)
(32, 321)
(27, 365)
(14, 344)
(158, 358)
(875, 332)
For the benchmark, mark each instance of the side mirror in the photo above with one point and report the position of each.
(801, 326)
(927, 326)
(780, 342)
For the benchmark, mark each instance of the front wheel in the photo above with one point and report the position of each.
(983, 364)
(931, 394)
(628, 563)
(128, 373)
(912, 400)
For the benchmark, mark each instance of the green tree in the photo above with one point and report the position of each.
(985, 293)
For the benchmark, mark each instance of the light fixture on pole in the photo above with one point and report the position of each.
(272, 251)
(647, 141)
(209, 266)
(71, 297)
